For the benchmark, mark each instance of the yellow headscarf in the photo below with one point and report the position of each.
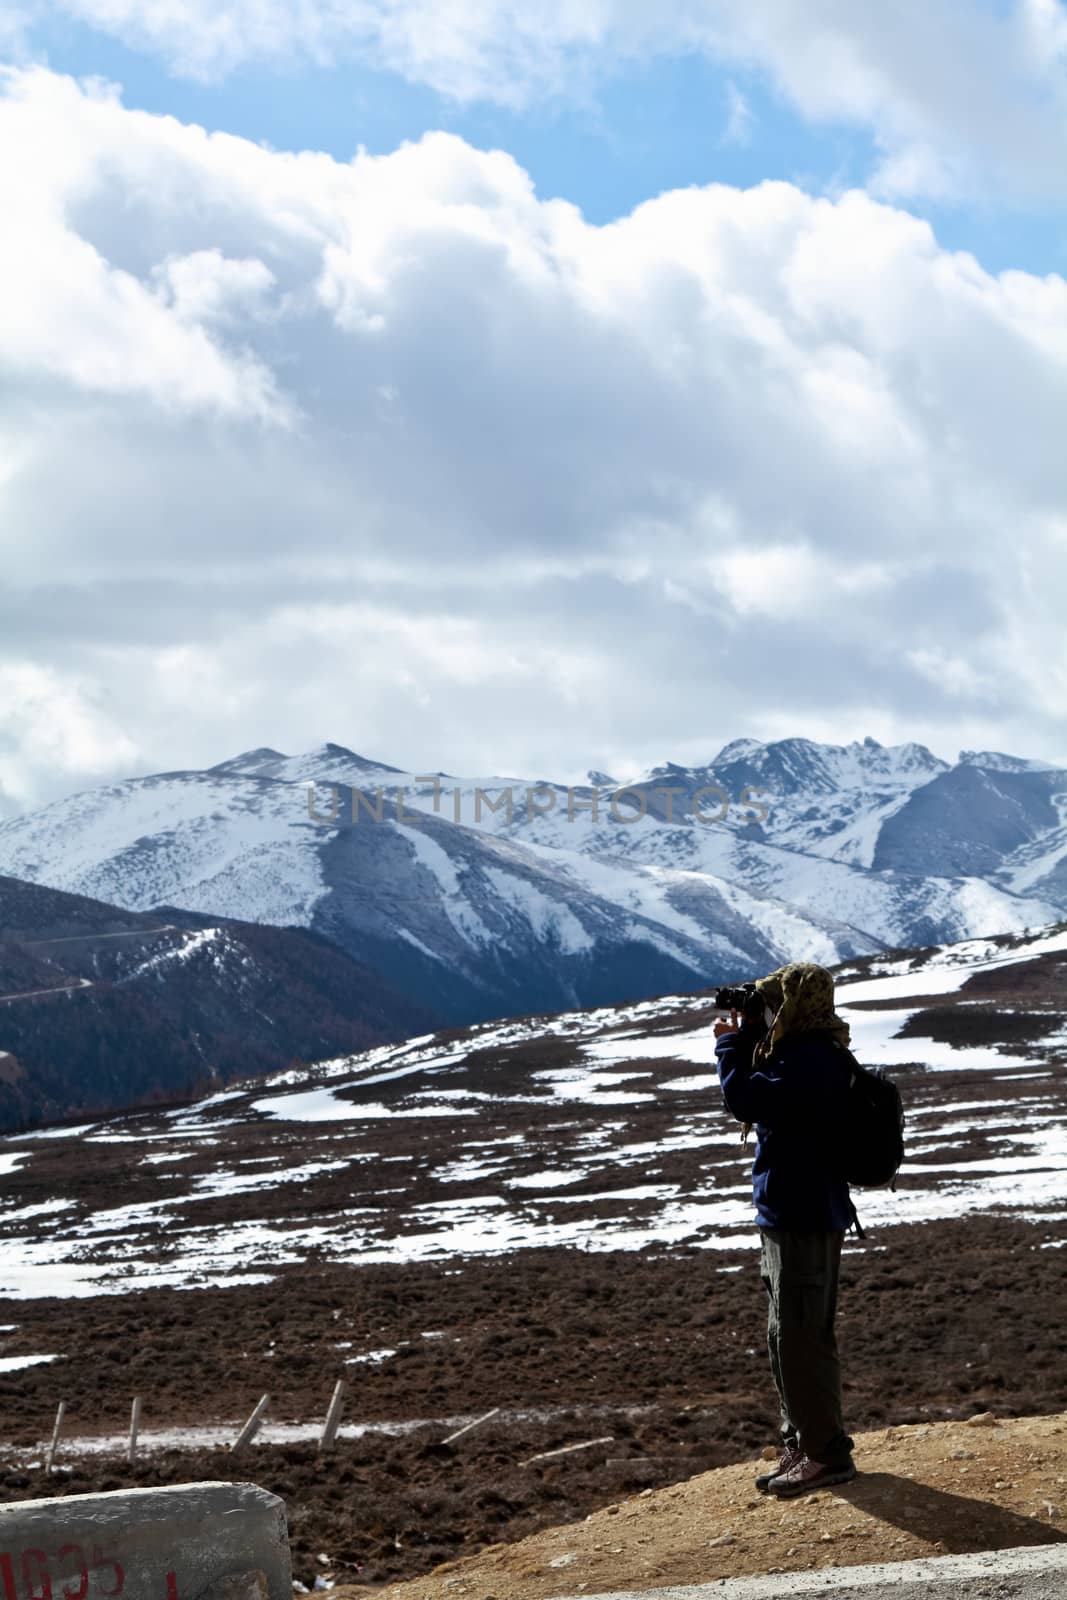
(801, 995)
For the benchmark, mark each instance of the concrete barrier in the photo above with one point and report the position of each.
(200, 1541)
(1034, 1572)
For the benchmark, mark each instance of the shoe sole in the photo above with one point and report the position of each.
(763, 1481)
(789, 1491)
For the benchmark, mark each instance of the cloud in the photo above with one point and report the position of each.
(953, 674)
(961, 100)
(82, 319)
(54, 723)
(205, 287)
(395, 453)
(739, 118)
(781, 580)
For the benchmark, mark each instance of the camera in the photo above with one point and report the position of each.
(741, 997)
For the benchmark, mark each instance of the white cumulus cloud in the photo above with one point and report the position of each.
(69, 311)
(961, 98)
(393, 452)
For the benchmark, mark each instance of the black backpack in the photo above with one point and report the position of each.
(869, 1137)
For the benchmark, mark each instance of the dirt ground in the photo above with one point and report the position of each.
(661, 1353)
(935, 1489)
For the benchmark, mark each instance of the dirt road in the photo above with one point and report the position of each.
(74, 938)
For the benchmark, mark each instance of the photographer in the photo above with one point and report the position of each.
(781, 1070)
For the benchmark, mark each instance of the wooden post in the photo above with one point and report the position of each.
(135, 1423)
(565, 1450)
(248, 1432)
(333, 1416)
(469, 1425)
(51, 1456)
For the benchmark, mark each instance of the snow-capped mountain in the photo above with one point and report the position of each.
(501, 895)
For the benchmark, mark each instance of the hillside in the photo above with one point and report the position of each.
(101, 1008)
(549, 1216)
(531, 1132)
(495, 896)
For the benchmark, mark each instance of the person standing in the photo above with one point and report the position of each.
(782, 1069)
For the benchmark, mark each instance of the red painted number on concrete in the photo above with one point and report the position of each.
(82, 1590)
(100, 1560)
(37, 1580)
(37, 1584)
(7, 1576)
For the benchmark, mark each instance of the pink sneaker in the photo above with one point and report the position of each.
(789, 1457)
(805, 1475)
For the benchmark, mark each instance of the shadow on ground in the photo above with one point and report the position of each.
(961, 1525)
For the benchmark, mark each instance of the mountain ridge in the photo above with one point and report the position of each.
(489, 896)
(101, 1008)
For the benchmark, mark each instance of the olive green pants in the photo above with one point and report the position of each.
(800, 1274)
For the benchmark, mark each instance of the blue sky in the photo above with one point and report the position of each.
(639, 130)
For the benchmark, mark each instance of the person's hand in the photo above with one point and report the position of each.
(722, 1026)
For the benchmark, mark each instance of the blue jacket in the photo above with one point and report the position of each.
(791, 1102)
